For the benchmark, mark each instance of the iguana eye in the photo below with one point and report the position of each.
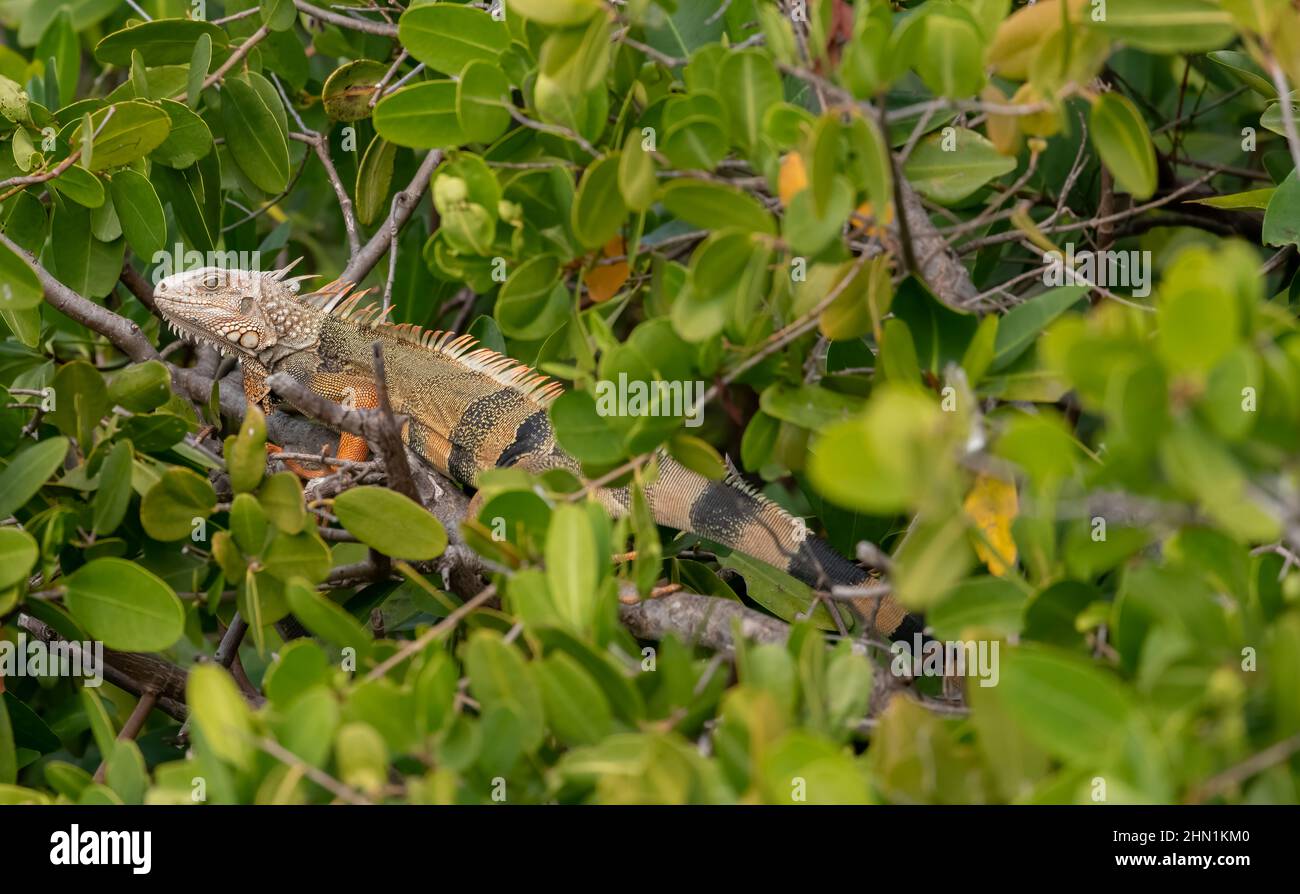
(212, 281)
(246, 305)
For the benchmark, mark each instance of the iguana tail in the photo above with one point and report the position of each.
(733, 514)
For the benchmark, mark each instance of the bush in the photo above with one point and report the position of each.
(998, 298)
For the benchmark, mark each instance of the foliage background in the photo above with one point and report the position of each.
(833, 213)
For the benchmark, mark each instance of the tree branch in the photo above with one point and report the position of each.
(404, 204)
(383, 29)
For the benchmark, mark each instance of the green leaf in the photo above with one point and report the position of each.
(949, 168)
(572, 566)
(581, 430)
(753, 87)
(80, 186)
(728, 274)
(1246, 70)
(983, 603)
(446, 37)
(171, 507)
(482, 101)
(598, 209)
(824, 161)
(200, 59)
(1255, 199)
(1167, 26)
(533, 302)
(303, 554)
(828, 773)
(1282, 218)
(898, 353)
(124, 605)
(59, 41)
(1124, 143)
(246, 452)
(307, 726)
(125, 771)
(1068, 706)
(885, 461)
(220, 713)
(18, 555)
(19, 287)
(374, 177)
(114, 493)
(140, 212)
(348, 90)
(499, 676)
(778, 592)
(248, 524)
(636, 175)
(325, 618)
(576, 708)
(391, 523)
(281, 497)
(421, 116)
(81, 400)
(951, 58)
(810, 406)
(1272, 118)
(278, 15)
(556, 12)
(135, 129)
(254, 137)
(189, 138)
(870, 163)
(1021, 326)
(160, 42)
(141, 387)
(941, 335)
(8, 752)
(715, 206)
(28, 471)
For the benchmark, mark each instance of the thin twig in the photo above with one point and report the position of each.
(18, 184)
(235, 58)
(432, 634)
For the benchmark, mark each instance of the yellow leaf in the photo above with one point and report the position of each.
(879, 223)
(793, 178)
(992, 505)
(1003, 130)
(1022, 33)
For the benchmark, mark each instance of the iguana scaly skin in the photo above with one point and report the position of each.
(470, 409)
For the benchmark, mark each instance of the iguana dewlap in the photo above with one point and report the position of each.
(470, 409)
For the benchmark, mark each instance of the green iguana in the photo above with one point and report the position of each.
(471, 409)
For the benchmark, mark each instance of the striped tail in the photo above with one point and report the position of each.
(733, 514)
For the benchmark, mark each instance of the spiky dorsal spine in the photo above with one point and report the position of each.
(338, 300)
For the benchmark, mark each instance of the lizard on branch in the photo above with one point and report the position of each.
(471, 409)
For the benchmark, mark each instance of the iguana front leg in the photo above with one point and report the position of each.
(353, 391)
(349, 389)
(258, 394)
(256, 391)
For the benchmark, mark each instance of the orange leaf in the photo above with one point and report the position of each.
(880, 222)
(604, 280)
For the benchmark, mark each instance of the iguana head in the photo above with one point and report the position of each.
(241, 312)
